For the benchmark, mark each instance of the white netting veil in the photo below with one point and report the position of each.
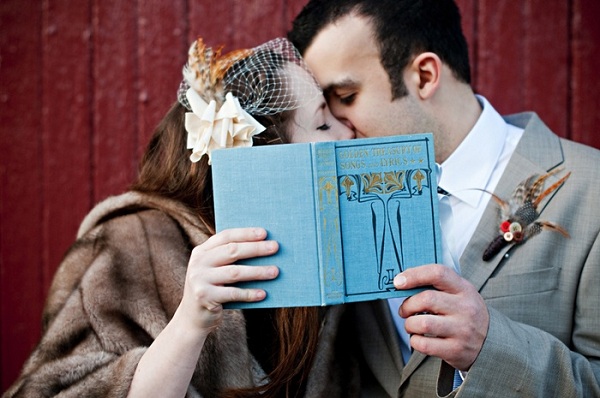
(266, 80)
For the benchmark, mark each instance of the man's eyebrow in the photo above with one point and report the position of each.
(341, 84)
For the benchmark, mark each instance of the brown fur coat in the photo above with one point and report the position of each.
(118, 287)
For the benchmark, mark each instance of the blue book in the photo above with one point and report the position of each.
(348, 215)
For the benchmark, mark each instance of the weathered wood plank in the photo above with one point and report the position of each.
(585, 85)
(21, 195)
(258, 21)
(214, 22)
(66, 129)
(545, 86)
(522, 59)
(161, 52)
(500, 54)
(114, 88)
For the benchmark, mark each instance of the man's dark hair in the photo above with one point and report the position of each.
(403, 29)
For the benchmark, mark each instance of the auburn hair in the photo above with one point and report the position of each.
(166, 170)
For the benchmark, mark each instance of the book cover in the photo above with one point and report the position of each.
(348, 215)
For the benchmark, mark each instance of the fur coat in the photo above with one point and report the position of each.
(117, 288)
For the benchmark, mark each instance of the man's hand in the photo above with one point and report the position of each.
(451, 322)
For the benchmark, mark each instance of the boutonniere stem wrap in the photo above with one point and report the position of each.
(520, 216)
(209, 129)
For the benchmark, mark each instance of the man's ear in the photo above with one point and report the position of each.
(426, 69)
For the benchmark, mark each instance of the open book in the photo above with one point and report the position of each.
(348, 215)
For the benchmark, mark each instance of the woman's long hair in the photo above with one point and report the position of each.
(166, 170)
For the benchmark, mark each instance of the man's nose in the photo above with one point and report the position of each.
(339, 114)
(350, 126)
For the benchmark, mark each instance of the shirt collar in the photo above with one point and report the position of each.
(468, 169)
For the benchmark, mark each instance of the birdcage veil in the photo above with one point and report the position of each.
(268, 79)
(224, 92)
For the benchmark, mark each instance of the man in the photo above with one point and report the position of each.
(525, 322)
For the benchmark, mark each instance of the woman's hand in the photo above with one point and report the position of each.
(166, 368)
(213, 268)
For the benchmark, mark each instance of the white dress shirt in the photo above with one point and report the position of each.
(477, 164)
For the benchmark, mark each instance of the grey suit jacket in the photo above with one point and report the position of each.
(543, 296)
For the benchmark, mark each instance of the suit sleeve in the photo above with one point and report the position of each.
(525, 361)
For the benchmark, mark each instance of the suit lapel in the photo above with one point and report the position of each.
(538, 152)
(473, 268)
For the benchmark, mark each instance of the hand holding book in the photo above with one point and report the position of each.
(216, 266)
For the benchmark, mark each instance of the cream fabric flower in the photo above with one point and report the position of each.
(209, 129)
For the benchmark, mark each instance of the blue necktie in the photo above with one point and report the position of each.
(457, 380)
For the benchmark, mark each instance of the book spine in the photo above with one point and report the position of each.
(327, 218)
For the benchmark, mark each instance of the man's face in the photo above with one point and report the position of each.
(345, 59)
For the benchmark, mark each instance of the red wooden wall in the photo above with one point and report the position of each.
(84, 82)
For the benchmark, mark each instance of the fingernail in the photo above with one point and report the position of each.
(399, 281)
(271, 246)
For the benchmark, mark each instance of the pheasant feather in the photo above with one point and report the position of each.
(519, 213)
(206, 69)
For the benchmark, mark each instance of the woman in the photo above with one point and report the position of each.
(135, 308)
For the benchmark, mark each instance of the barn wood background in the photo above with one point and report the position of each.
(83, 83)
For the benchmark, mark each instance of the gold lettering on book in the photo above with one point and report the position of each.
(355, 164)
(353, 154)
(401, 150)
(394, 161)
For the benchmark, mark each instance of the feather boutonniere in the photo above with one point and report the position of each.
(519, 214)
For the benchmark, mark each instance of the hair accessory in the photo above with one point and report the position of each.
(223, 91)
(520, 216)
(209, 129)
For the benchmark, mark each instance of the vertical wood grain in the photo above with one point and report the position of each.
(214, 22)
(115, 92)
(500, 53)
(523, 58)
(21, 194)
(258, 21)
(545, 85)
(585, 85)
(161, 52)
(237, 24)
(66, 138)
